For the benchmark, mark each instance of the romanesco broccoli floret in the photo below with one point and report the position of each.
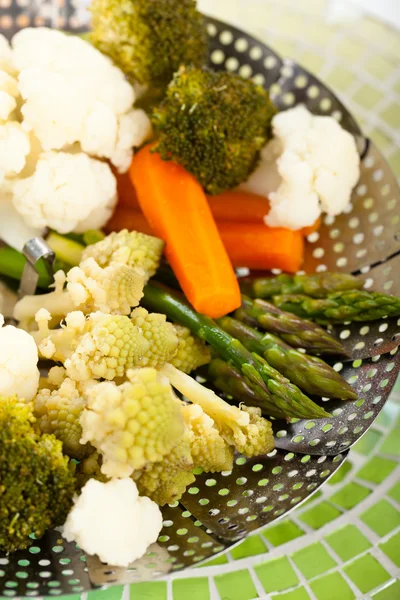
(192, 352)
(90, 468)
(209, 449)
(133, 424)
(97, 346)
(115, 289)
(161, 336)
(130, 248)
(58, 411)
(36, 481)
(166, 481)
(244, 428)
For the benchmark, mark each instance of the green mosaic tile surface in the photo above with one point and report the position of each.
(344, 543)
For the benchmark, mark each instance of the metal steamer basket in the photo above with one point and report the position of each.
(220, 510)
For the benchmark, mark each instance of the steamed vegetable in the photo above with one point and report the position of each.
(311, 166)
(126, 531)
(295, 331)
(214, 125)
(316, 285)
(161, 336)
(36, 481)
(255, 369)
(99, 346)
(19, 374)
(133, 424)
(149, 40)
(191, 353)
(339, 307)
(177, 210)
(256, 246)
(309, 373)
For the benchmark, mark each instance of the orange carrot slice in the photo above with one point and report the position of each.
(257, 246)
(177, 210)
(126, 192)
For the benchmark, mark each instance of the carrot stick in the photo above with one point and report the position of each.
(127, 218)
(239, 207)
(257, 246)
(244, 207)
(177, 210)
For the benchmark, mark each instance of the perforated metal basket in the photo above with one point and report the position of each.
(219, 510)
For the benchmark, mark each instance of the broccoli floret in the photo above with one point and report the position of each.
(167, 480)
(209, 449)
(98, 346)
(36, 481)
(133, 424)
(115, 289)
(192, 352)
(244, 428)
(149, 39)
(214, 125)
(131, 248)
(161, 336)
(58, 411)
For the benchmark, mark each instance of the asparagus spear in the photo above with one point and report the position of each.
(317, 285)
(296, 332)
(257, 371)
(355, 305)
(309, 373)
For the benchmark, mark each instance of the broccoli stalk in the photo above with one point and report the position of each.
(214, 125)
(37, 482)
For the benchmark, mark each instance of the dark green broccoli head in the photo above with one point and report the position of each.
(149, 39)
(36, 481)
(214, 125)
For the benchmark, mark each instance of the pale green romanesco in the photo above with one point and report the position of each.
(131, 248)
(166, 481)
(115, 289)
(97, 346)
(208, 448)
(133, 424)
(58, 411)
(243, 428)
(192, 352)
(162, 338)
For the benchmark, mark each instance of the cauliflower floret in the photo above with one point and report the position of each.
(192, 352)
(18, 363)
(67, 192)
(243, 428)
(131, 425)
(87, 99)
(58, 411)
(6, 61)
(310, 167)
(129, 247)
(208, 448)
(127, 529)
(89, 288)
(14, 231)
(161, 336)
(99, 346)
(166, 481)
(14, 148)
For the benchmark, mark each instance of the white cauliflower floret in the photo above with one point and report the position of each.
(6, 61)
(14, 231)
(18, 363)
(67, 192)
(87, 99)
(14, 148)
(129, 523)
(310, 167)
